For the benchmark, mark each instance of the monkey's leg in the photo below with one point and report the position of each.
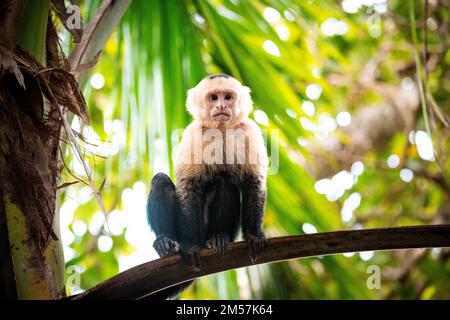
(191, 228)
(253, 201)
(162, 208)
(223, 215)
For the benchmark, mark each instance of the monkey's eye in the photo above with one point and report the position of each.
(214, 97)
(228, 97)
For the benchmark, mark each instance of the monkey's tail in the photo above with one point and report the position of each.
(168, 293)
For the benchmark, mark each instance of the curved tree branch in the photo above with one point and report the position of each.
(159, 274)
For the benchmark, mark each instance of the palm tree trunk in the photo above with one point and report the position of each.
(31, 68)
(32, 261)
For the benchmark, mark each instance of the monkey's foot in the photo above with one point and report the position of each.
(256, 244)
(191, 255)
(165, 246)
(218, 243)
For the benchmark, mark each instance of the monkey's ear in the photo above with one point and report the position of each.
(191, 104)
(246, 104)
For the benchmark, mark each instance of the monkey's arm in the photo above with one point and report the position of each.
(253, 188)
(253, 201)
(163, 207)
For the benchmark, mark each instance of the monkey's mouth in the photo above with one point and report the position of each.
(221, 116)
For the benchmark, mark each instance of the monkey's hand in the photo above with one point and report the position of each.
(165, 246)
(256, 244)
(218, 243)
(191, 254)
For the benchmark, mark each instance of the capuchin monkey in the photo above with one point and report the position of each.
(220, 173)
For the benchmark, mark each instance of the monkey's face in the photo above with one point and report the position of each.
(219, 99)
(219, 105)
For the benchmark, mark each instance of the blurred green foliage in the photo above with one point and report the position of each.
(164, 47)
